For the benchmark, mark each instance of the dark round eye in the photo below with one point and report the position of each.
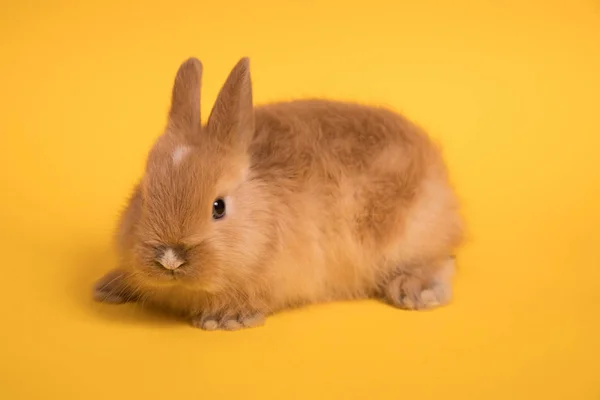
(218, 208)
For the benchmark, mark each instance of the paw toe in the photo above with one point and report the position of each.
(206, 324)
(210, 325)
(429, 299)
(232, 324)
(253, 321)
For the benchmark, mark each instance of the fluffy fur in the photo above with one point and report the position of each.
(324, 201)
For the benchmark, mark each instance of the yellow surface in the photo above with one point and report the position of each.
(510, 89)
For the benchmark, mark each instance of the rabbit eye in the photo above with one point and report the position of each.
(218, 208)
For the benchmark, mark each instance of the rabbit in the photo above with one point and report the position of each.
(271, 207)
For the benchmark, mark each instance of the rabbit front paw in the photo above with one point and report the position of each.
(113, 288)
(228, 322)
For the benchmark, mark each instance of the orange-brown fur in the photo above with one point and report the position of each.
(326, 201)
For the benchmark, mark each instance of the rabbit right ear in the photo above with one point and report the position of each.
(232, 117)
(185, 101)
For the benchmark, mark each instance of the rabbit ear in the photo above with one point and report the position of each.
(232, 117)
(185, 100)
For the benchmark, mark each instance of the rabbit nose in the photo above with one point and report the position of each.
(170, 260)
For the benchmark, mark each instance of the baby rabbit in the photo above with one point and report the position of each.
(275, 206)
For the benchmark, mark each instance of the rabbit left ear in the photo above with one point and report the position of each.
(232, 117)
(185, 100)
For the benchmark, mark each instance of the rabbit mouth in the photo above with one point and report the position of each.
(180, 277)
(159, 278)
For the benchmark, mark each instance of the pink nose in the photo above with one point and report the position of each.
(169, 260)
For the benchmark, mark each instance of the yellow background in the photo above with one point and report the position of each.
(512, 91)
